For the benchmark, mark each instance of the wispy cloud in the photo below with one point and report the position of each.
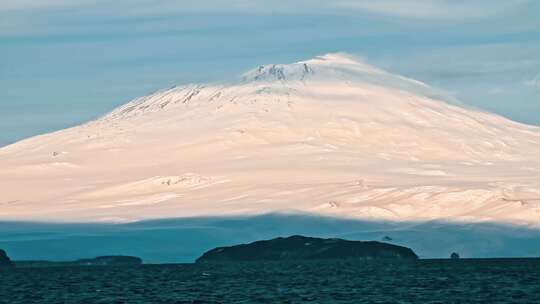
(22, 17)
(435, 8)
(534, 82)
(432, 9)
(18, 5)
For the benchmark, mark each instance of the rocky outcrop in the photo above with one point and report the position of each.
(113, 260)
(110, 261)
(307, 248)
(5, 260)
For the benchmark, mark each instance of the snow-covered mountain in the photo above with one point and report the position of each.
(330, 135)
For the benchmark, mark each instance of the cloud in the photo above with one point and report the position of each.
(448, 9)
(534, 82)
(496, 91)
(432, 9)
(20, 5)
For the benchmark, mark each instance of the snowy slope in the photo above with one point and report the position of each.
(331, 135)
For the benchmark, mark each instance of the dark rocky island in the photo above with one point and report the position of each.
(5, 261)
(307, 248)
(110, 260)
(113, 260)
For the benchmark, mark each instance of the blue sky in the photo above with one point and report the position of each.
(64, 62)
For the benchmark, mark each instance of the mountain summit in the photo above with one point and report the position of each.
(329, 67)
(330, 135)
(330, 70)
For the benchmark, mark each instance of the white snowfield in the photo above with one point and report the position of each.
(330, 136)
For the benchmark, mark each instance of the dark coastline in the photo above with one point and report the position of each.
(478, 261)
(91, 262)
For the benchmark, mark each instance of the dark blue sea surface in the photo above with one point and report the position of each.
(331, 281)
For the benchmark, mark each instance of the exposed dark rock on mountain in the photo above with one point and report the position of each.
(4, 260)
(307, 248)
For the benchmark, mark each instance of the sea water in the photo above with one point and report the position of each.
(331, 281)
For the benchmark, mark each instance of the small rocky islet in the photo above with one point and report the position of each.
(299, 248)
(5, 261)
(112, 260)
